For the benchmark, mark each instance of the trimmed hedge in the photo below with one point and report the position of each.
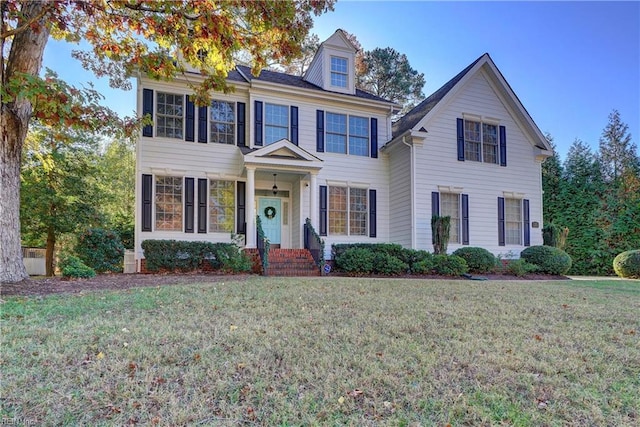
(627, 264)
(548, 259)
(101, 249)
(73, 267)
(356, 261)
(479, 260)
(449, 265)
(177, 255)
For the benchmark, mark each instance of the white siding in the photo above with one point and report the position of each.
(400, 227)
(437, 164)
(315, 72)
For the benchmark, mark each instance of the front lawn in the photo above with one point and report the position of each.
(326, 351)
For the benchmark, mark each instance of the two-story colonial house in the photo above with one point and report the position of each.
(287, 148)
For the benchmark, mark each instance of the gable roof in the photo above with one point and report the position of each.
(415, 116)
(295, 81)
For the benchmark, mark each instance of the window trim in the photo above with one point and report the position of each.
(158, 115)
(482, 122)
(234, 123)
(347, 135)
(181, 204)
(507, 221)
(210, 210)
(266, 124)
(348, 211)
(335, 72)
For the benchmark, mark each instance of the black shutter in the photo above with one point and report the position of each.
(435, 209)
(374, 138)
(320, 131)
(323, 210)
(190, 119)
(501, 230)
(242, 132)
(258, 123)
(189, 210)
(372, 214)
(147, 108)
(202, 125)
(202, 205)
(294, 125)
(503, 146)
(465, 219)
(241, 195)
(525, 217)
(147, 196)
(460, 129)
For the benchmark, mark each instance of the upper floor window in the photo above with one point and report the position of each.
(222, 122)
(480, 142)
(337, 134)
(276, 125)
(339, 71)
(221, 205)
(450, 206)
(348, 211)
(168, 203)
(513, 221)
(169, 115)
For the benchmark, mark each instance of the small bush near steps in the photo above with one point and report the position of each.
(627, 264)
(548, 259)
(479, 260)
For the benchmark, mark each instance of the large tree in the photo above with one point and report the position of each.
(551, 185)
(158, 38)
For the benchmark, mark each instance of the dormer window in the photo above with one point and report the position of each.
(339, 71)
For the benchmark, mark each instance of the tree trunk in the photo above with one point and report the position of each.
(51, 245)
(27, 49)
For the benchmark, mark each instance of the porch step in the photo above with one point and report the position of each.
(291, 262)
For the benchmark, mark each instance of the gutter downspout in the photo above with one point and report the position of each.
(412, 190)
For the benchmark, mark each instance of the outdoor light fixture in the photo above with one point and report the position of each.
(275, 187)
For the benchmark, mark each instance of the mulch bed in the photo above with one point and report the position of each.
(58, 285)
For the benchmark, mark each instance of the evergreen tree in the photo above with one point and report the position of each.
(552, 185)
(618, 154)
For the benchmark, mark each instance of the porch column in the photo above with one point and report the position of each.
(313, 200)
(251, 208)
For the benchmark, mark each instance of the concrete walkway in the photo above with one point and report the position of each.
(598, 278)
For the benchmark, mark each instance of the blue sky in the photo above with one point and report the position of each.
(570, 63)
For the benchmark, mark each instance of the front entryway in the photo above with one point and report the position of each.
(270, 212)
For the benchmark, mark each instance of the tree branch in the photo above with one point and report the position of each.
(26, 25)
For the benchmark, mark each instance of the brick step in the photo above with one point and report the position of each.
(292, 262)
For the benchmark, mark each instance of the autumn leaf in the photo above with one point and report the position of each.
(100, 356)
(341, 400)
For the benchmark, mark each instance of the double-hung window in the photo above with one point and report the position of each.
(337, 134)
(221, 206)
(222, 122)
(169, 115)
(513, 221)
(450, 206)
(276, 124)
(480, 142)
(339, 72)
(348, 211)
(168, 201)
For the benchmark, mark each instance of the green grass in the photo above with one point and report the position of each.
(326, 351)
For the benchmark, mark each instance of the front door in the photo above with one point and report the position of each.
(270, 212)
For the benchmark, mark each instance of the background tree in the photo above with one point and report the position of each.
(59, 191)
(388, 74)
(618, 154)
(125, 37)
(299, 65)
(551, 185)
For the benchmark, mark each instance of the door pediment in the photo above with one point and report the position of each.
(283, 153)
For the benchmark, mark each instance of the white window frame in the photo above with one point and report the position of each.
(481, 137)
(513, 221)
(446, 203)
(338, 73)
(348, 213)
(177, 208)
(211, 123)
(347, 136)
(166, 116)
(215, 226)
(277, 126)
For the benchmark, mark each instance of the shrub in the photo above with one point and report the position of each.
(479, 260)
(176, 255)
(554, 235)
(520, 267)
(440, 230)
(449, 265)
(73, 267)
(101, 250)
(393, 249)
(627, 264)
(423, 266)
(383, 263)
(356, 261)
(548, 259)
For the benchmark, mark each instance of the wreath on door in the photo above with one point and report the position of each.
(270, 212)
